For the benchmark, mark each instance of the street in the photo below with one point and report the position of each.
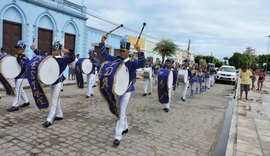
(190, 128)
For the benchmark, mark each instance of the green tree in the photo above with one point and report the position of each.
(250, 51)
(238, 60)
(235, 60)
(202, 62)
(165, 48)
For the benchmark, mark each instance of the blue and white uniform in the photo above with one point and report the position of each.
(91, 77)
(21, 96)
(56, 110)
(122, 101)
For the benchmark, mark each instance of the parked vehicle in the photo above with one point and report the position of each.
(226, 74)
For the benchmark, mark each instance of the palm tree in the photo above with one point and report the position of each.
(165, 47)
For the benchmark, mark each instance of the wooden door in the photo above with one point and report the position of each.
(45, 37)
(12, 32)
(70, 41)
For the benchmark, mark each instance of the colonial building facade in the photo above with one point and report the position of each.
(45, 21)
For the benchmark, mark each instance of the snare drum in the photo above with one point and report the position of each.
(147, 73)
(85, 64)
(113, 80)
(182, 76)
(165, 82)
(9, 67)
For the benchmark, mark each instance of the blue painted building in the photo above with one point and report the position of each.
(48, 21)
(93, 39)
(44, 20)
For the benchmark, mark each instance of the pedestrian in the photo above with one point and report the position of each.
(71, 68)
(20, 95)
(261, 79)
(245, 76)
(91, 77)
(253, 78)
(132, 65)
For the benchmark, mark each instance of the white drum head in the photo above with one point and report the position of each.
(9, 67)
(183, 74)
(148, 70)
(87, 66)
(121, 80)
(170, 79)
(48, 71)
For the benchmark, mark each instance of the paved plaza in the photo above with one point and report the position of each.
(190, 128)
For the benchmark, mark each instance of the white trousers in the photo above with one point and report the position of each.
(146, 83)
(184, 89)
(212, 80)
(56, 110)
(20, 95)
(207, 82)
(90, 83)
(167, 105)
(122, 123)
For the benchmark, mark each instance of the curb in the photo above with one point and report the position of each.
(232, 140)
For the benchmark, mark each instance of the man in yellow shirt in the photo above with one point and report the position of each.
(245, 76)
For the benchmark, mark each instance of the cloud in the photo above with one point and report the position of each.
(221, 27)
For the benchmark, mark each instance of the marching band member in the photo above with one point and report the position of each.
(185, 85)
(56, 110)
(207, 77)
(91, 77)
(200, 81)
(193, 80)
(167, 66)
(148, 80)
(212, 74)
(156, 70)
(2, 54)
(132, 65)
(19, 92)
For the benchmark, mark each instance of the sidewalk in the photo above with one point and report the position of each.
(250, 128)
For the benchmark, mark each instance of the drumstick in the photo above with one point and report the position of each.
(144, 24)
(115, 29)
(33, 41)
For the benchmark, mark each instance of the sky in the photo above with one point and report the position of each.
(216, 27)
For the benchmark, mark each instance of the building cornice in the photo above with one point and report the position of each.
(54, 8)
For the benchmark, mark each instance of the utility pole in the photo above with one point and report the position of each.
(188, 45)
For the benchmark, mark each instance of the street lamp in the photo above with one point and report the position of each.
(267, 52)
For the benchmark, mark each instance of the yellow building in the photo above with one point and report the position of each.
(133, 41)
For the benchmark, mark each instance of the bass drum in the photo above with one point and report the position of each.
(147, 73)
(85, 64)
(182, 76)
(9, 67)
(48, 70)
(113, 81)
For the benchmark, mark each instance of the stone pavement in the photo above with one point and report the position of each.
(250, 131)
(190, 128)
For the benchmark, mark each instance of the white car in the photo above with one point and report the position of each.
(227, 73)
